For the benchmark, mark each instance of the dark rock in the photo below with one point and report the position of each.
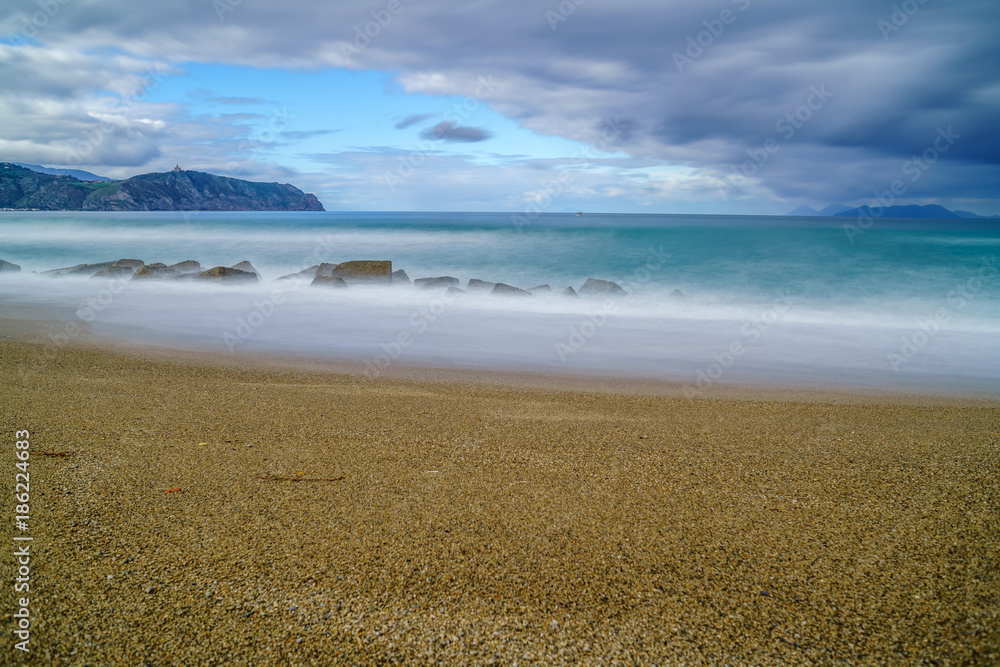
(503, 288)
(362, 271)
(475, 283)
(227, 274)
(78, 270)
(540, 288)
(328, 281)
(325, 269)
(304, 274)
(187, 266)
(400, 277)
(570, 292)
(677, 293)
(455, 290)
(246, 266)
(440, 281)
(157, 270)
(9, 266)
(186, 270)
(123, 268)
(595, 287)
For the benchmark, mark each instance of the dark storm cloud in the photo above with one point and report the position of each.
(447, 130)
(704, 85)
(412, 120)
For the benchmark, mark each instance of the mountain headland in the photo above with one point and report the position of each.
(898, 211)
(177, 190)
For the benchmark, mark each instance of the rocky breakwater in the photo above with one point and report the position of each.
(326, 275)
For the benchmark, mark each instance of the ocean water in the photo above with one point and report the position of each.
(911, 304)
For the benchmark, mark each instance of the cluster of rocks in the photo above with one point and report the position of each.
(136, 269)
(345, 274)
(380, 272)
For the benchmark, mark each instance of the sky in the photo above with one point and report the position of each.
(665, 106)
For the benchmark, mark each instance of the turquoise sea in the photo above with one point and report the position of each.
(900, 304)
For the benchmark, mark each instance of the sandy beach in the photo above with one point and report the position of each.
(191, 510)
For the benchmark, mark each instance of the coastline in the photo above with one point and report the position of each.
(470, 518)
(40, 324)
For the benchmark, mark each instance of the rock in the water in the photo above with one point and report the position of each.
(123, 268)
(246, 266)
(227, 274)
(157, 270)
(677, 293)
(304, 274)
(325, 269)
(328, 281)
(440, 281)
(505, 289)
(9, 266)
(475, 283)
(78, 270)
(186, 270)
(363, 271)
(595, 287)
(540, 288)
(454, 290)
(570, 292)
(187, 266)
(400, 277)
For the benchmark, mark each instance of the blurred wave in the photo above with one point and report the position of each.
(908, 303)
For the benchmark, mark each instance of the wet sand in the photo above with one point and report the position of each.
(260, 511)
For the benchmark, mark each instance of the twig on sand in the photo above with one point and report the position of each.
(61, 455)
(275, 478)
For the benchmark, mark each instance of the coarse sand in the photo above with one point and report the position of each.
(191, 512)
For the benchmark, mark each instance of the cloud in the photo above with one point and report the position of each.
(700, 93)
(239, 101)
(448, 130)
(413, 120)
(299, 135)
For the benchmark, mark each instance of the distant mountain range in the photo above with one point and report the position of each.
(177, 190)
(910, 211)
(75, 173)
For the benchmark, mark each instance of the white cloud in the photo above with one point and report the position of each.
(605, 60)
